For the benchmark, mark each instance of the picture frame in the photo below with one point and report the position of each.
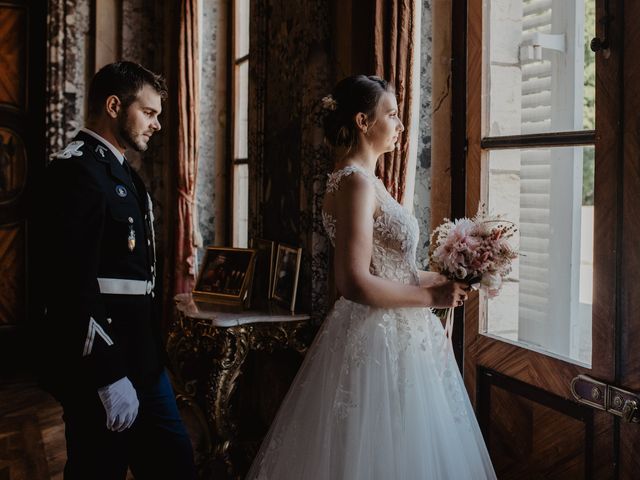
(263, 272)
(225, 276)
(286, 272)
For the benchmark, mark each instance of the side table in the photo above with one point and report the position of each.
(207, 349)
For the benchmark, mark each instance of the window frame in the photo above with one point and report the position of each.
(233, 161)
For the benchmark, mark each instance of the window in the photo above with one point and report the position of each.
(537, 169)
(239, 122)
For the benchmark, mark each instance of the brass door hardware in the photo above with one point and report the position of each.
(602, 396)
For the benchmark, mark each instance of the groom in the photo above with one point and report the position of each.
(102, 355)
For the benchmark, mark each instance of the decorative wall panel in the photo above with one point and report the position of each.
(12, 274)
(13, 28)
(13, 165)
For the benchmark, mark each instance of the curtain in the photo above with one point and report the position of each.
(394, 55)
(187, 147)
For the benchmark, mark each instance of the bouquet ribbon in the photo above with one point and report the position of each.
(448, 326)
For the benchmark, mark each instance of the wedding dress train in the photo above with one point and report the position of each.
(379, 394)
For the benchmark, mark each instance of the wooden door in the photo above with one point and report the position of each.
(22, 89)
(528, 152)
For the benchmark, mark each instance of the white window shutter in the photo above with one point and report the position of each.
(550, 179)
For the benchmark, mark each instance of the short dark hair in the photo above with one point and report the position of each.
(354, 94)
(125, 80)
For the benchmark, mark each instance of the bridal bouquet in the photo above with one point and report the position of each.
(474, 250)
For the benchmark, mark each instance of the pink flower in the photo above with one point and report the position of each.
(474, 248)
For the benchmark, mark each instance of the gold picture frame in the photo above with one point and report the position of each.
(225, 276)
(286, 272)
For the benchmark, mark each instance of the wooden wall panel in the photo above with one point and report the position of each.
(533, 434)
(13, 25)
(13, 165)
(12, 274)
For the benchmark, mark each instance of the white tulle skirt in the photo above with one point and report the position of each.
(379, 396)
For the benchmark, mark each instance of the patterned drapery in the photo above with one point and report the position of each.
(393, 60)
(187, 148)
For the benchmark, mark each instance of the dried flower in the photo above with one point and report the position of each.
(329, 103)
(475, 250)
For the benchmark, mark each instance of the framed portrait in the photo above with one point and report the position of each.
(285, 280)
(225, 275)
(263, 271)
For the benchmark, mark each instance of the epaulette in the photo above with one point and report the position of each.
(71, 150)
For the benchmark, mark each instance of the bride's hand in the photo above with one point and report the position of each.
(448, 294)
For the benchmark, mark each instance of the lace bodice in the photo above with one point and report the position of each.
(395, 230)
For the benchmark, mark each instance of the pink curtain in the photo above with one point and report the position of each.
(187, 147)
(393, 60)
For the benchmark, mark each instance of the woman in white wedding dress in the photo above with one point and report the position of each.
(379, 394)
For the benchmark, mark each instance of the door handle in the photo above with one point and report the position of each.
(597, 394)
(629, 410)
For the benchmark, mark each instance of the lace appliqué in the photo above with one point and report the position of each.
(395, 231)
(334, 178)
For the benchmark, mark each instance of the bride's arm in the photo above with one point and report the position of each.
(355, 205)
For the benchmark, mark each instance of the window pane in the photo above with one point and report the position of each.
(242, 28)
(241, 110)
(546, 303)
(539, 72)
(240, 205)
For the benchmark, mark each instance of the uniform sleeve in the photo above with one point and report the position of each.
(77, 322)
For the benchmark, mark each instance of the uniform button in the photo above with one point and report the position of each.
(148, 242)
(130, 220)
(109, 321)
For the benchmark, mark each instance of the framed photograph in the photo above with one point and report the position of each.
(225, 275)
(263, 272)
(285, 280)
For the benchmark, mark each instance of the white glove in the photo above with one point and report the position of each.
(121, 404)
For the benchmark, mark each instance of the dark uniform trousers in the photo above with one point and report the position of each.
(101, 321)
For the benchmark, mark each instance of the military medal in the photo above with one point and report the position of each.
(131, 240)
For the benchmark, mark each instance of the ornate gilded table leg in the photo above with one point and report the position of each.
(233, 346)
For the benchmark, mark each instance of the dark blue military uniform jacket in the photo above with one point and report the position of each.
(99, 272)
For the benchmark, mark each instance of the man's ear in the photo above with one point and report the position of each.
(113, 106)
(361, 121)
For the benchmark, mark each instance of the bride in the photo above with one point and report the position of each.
(379, 394)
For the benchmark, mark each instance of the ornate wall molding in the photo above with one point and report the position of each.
(68, 27)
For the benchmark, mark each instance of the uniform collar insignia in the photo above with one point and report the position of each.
(101, 150)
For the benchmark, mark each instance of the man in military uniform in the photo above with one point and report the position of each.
(103, 357)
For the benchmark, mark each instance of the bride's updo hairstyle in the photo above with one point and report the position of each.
(352, 95)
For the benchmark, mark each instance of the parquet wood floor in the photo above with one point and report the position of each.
(32, 444)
